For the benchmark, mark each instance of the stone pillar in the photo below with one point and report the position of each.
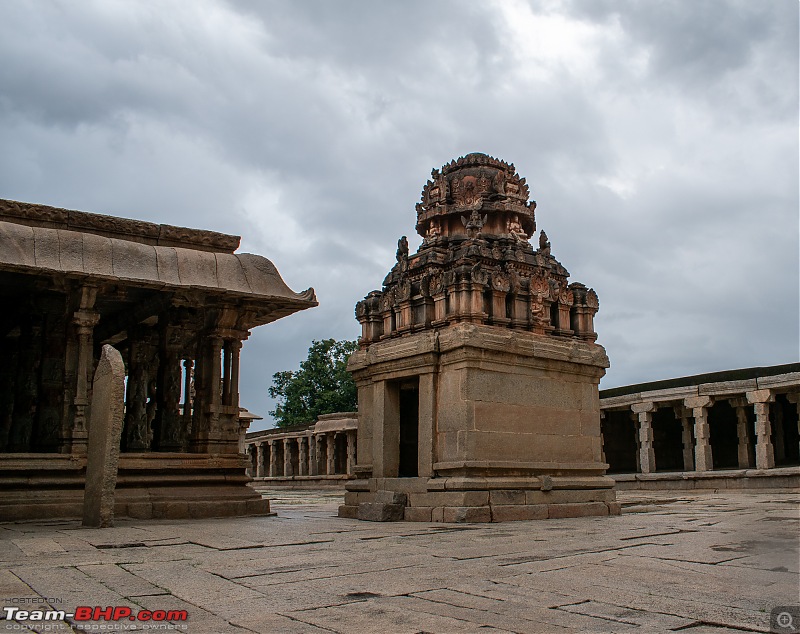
(302, 463)
(686, 437)
(188, 378)
(638, 453)
(137, 435)
(351, 452)
(331, 442)
(313, 466)
(105, 432)
(702, 446)
(746, 459)
(778, 439)
(236, 349)
(226, 372)
(260, 460)
(795, 398)
(273, 459)
(602, 437)
(85, 319)
(647, 456)
(765, 452)
(168, 390)
(287, 458)
(213, 387)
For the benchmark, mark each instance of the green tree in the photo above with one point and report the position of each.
(322, 385)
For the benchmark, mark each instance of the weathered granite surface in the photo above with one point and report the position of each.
(105, 431)
(673, 561)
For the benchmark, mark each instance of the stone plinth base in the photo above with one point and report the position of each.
(734, 479)
(463, 499)
(149, 486)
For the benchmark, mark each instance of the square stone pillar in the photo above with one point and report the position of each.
(638, 454)
(686, 437)
(313, 465)
(287, 458)
(699, 405)
(260, 460)
(331, 466)
(351, 452)
(765, 452)
(647, 456)
(302, 464)
(386, 438)
(602, 437)
(273, 459)
(746, 458)
(427, 427)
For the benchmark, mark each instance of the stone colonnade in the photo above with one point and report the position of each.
(748, 423)
(326, 448)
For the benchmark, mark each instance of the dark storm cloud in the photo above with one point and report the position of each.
(659, 139)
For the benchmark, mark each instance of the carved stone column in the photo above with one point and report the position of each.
(259, 459)
(136, 432)
(351, 452)
(273, 459)
(168, 390)
(331, 442)
(302, 452)
(686, 437)
(765, 452)
(236, 349)
(635, 419)
(647, 456)
(85, 319)
(188, 401)
(313, 467)
(702, 451)
(287, 457)
(746, 458)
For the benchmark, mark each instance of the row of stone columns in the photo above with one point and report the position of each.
(697, 407)
(310, 455)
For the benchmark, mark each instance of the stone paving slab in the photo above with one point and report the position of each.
(694, 562)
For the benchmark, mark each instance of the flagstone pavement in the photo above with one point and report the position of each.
(698, 563)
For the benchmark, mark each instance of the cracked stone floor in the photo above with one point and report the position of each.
(699, 563)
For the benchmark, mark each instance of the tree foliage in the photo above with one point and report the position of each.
(322, 385)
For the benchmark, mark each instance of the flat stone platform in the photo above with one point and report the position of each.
(688, 561)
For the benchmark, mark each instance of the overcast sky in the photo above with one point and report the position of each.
(660, 141)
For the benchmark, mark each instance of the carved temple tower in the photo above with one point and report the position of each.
(478, 370)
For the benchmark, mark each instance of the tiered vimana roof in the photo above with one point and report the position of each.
(476, 263)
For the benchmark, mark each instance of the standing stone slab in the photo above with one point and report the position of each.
(105, 431)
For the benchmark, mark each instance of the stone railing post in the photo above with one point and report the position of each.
(699, 405)
(765, 452)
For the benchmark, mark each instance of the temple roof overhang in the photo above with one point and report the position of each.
(99, 259)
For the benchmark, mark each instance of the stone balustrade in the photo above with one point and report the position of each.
(738, 420)
(325, 450)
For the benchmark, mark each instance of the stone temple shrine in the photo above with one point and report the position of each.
(177, 303)
(478, 370)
